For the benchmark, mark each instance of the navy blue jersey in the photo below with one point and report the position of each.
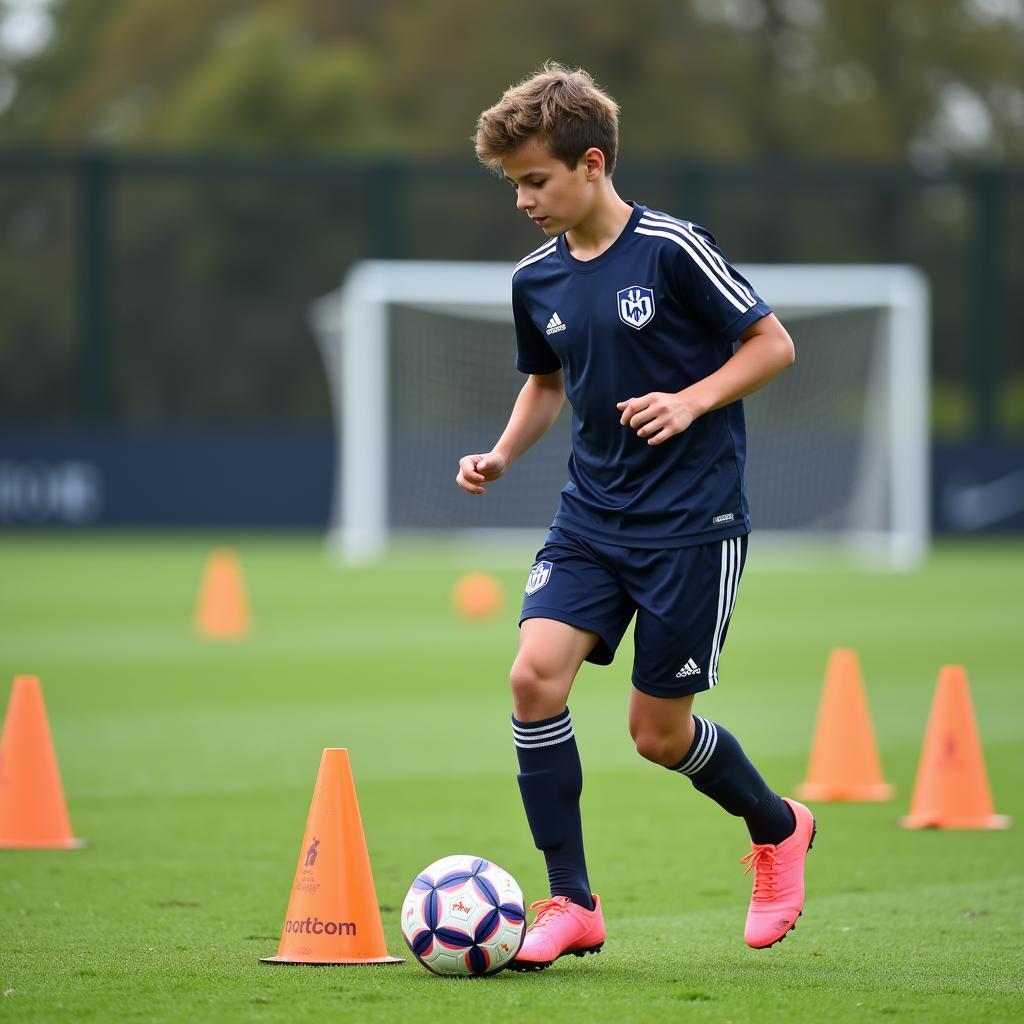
(657, 311)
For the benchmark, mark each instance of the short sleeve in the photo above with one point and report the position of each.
(533, 353)
(718, 296)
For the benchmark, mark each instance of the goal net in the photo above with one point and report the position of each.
(420, 357)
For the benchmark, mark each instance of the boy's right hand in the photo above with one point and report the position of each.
(477, 470)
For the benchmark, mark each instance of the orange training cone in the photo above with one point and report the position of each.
(223, 608)
(333, 917)
(477, 595)
(844, 761)
(952, 790)
(33, 814)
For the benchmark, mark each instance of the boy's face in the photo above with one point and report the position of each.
(555, 198)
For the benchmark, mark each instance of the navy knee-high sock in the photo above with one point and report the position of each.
(551, 781)
(717, 766)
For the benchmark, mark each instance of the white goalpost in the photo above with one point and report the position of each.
(420, 359)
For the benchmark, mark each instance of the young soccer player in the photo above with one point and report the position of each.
(637, 317)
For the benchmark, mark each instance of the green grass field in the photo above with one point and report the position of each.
(189, 767)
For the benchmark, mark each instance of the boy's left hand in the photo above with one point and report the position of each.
(657, 416)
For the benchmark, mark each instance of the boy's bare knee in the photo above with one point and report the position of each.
(536, 693)
(524, 680)
(657, 747)
(661, 747)
(662, 730)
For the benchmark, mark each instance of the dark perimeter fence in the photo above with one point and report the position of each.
(157, 365)
(166, 291)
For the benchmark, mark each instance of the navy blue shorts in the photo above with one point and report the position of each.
(682, 598)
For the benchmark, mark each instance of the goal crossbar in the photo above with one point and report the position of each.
(352, 326)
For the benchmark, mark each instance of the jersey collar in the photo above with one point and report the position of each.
(588, 266)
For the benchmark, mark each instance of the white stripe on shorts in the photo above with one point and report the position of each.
(728, 585)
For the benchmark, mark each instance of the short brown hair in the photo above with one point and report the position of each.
(564, 109)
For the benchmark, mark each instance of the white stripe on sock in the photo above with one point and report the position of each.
(713, 729)
(563, 732)
(527, 735)
(527, 729)
(549, 743)
(705, 736)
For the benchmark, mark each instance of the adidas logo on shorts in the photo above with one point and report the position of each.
(691, 668)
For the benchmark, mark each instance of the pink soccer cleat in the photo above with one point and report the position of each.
(561, 927)
(778, 898)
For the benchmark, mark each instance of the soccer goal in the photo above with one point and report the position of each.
(420, 357)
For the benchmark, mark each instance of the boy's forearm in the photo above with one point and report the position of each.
(764, 354)
(536, 409)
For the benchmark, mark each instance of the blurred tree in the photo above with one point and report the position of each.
(225, 74)
(210, 270)
(925, 79)
(875, 80)
(275, 86)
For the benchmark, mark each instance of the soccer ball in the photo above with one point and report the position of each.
(464, 915)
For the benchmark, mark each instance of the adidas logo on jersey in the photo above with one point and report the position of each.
(691, 668)
(555, 324)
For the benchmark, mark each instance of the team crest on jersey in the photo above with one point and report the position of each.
(539, 575)
(636, 305)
